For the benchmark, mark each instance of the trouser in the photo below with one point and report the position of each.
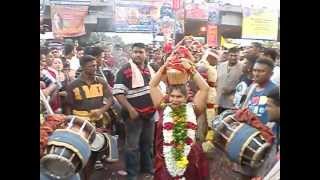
(139, 146)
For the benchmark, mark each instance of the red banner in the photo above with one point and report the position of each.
(212, 35)
(68, 20)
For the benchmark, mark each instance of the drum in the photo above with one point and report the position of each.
(243, 143)
(83, 127)
(106, 146)
(99, 143)
(66, 154)
(114, 112)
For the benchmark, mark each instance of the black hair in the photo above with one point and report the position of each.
(68, 48)
(274, 94)
(251, 59)
(181, 87)
(272, 53)
(257, 45)
(86, 59)
(266, 61)
(93, 51)
(139, 45)
(233, 50)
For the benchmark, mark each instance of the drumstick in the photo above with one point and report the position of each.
(45, 102)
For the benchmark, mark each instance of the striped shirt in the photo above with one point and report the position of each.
(85, 97)
(140, 97)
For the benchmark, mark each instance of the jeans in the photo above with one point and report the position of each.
(139, 146)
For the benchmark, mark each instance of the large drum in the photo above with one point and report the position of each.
(66, 154)
(99, 144)
(106, 146)
(82, 127)
(243, 143)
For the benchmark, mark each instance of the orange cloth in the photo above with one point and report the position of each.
(51, 123)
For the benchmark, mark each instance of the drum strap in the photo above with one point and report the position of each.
(250, 91)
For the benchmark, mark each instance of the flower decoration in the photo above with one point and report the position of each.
(179, 125)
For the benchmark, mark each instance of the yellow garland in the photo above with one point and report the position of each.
(183, 162)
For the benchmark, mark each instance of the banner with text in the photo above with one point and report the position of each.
(260, 24)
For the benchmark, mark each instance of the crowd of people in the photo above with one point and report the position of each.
(90, 82)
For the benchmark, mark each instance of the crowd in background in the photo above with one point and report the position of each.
(64, 69)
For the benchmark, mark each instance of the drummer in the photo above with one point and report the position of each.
(273, 109)
(89, 96)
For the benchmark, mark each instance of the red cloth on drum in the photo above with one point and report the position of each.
(244, 115)
(198, 167)
(51, 123)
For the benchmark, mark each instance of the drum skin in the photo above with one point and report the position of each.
(98, 143)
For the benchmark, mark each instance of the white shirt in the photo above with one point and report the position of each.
(275, 78)
(240, 91)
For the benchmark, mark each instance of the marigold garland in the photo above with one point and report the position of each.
(179, 125)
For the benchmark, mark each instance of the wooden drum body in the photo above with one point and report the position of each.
(67, 153)
(243, 143)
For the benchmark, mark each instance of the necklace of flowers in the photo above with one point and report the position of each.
(179, 126)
